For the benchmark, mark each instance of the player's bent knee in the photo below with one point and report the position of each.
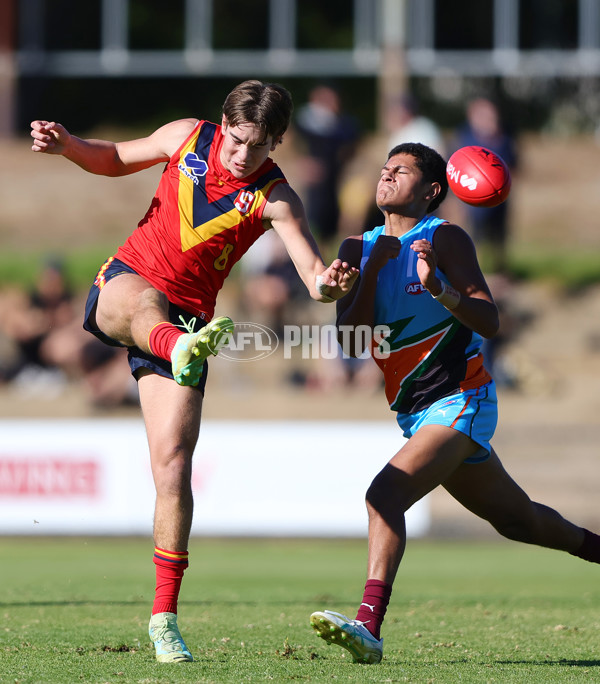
(517, 529)
(389, 491)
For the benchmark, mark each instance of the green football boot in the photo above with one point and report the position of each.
(193, 348)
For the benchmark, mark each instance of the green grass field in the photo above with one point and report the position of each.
(76, 610)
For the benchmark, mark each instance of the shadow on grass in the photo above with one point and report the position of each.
(538, 663)
(143, 602)
(561, 661)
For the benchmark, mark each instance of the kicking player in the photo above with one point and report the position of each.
(219, 192)
(419, 276)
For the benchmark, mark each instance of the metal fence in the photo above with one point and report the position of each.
(378, 26)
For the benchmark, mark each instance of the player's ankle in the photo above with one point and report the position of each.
(162, 339)
(590, 548)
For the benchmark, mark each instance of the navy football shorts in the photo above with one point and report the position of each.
(136, 357)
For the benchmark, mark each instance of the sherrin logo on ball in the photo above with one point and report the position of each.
(478, 176)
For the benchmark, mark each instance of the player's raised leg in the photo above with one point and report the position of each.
(134, 313)
(128, 308)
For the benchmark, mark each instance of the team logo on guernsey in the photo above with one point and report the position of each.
(414, 288)
(243, 202)
(193, 167)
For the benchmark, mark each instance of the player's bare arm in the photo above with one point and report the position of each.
(454, 254)
(285, 213)
(107, 158)
(357, 308)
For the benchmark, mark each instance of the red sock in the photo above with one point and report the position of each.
(162, 338)
(590, 549)
(374, 604)
(169, 573)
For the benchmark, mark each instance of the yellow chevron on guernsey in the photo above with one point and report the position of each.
(190, 237)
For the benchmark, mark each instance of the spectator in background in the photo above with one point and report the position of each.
(29, 317)
(45, 347)
(272, 290)
(101, 371)
(330, 138)
(404, 123)
(489, 226)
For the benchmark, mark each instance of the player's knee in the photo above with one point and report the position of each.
(389, 491)
(172, 469)
(517, 528)
(152, 298)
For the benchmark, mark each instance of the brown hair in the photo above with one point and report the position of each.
(266, 105)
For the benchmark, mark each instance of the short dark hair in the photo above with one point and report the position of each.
(266, 105)
(430, 163)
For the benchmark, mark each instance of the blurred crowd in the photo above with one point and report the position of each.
(43, 347)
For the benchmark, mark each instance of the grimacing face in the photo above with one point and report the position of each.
(401, 183)
(244, 150)
(402, 188)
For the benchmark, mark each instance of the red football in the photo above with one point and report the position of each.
(478, 176)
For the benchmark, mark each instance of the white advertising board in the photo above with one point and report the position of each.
(294, 478)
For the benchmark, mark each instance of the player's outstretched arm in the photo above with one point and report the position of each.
(286, 213)
(341, 277)
(107, 158)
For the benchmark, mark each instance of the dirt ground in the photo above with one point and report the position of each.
(549, 430)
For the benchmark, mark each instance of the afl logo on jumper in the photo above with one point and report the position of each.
(244, 200)
(414, 288)
(192, 166)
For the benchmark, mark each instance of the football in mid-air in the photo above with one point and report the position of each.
(478, 176)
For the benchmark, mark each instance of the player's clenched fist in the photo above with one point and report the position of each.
(49, 136)
(386, 247)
